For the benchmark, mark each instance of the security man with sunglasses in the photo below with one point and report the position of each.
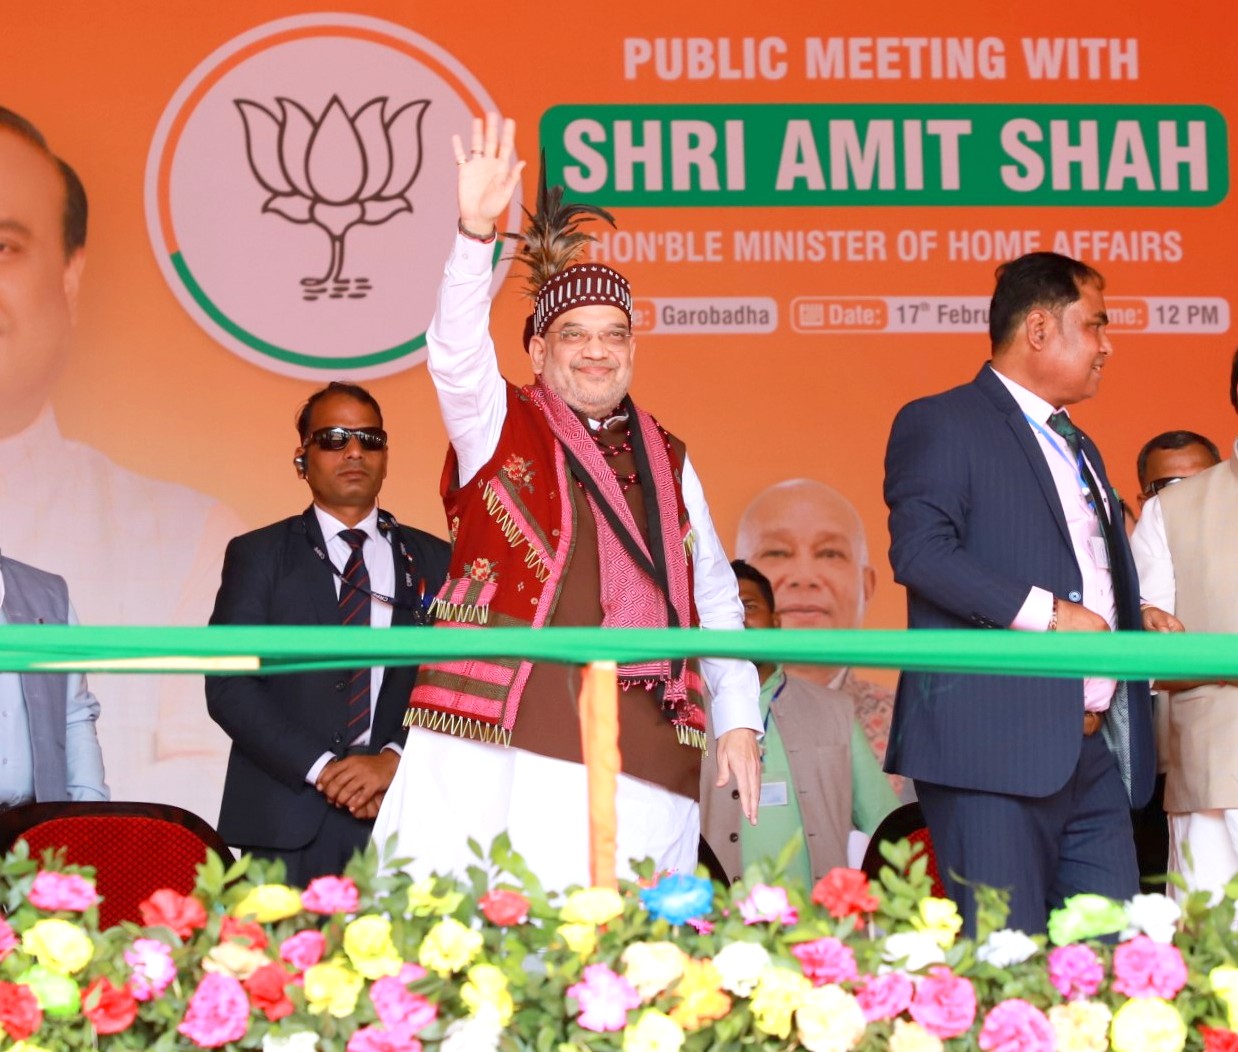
(313, 753)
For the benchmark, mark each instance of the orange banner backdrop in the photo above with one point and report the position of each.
(811, 204)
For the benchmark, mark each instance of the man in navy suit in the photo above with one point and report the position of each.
(1002, 516)
(313, 753)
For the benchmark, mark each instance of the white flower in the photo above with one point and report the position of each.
(920, 948)
(1006, 948)
(301, 1041)
(475, 1034)
(1154, 915)
(740, 964)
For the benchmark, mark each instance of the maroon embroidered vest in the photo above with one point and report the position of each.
(514, 528)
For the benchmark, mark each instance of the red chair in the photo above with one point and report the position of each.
(135, 848)
(903, 823)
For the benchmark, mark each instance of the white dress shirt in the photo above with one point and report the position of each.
(380, 565)
(1086, 537)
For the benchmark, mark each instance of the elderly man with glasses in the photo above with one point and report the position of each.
(1187, 553)
(314, 752)
(568, 505)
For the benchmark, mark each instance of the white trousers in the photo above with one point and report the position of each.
(1203, 847)
(449, 790)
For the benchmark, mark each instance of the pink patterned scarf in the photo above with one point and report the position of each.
(630, 598)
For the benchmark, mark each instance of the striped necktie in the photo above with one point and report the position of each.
(1061, 423)
(355, 610)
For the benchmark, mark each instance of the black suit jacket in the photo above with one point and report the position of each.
(280, 725)
(975, 521)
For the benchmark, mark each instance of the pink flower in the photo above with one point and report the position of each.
(1146, 968)
(62, 891)
(218, 1012)
(767, 903)
(8, 939)
(604, 999)
(1075, 970)
(884, 996)
(376, 1039)
(410, 973)
(1016, 1026)
(331, 895)
(398, 1008)
(152, 966)
(303, 950)
(944, 1003)
(826, 960)
(702, 926)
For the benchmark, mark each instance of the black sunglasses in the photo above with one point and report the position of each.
(1156, 485)
(336, 438)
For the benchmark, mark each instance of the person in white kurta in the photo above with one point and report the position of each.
(450, 789)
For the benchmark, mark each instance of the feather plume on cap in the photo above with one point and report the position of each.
(552, 240)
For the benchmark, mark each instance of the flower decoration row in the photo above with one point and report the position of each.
(374, 961)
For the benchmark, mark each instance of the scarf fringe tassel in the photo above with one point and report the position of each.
(512, 533)
(461, 613)
(691, 736)
(460, 726)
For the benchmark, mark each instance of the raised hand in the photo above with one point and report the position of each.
(487, 177)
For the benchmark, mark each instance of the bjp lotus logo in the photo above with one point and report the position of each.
(336, 171)
(303, 222)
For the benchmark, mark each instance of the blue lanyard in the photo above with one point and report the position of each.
(770, 707)
(1076, 463)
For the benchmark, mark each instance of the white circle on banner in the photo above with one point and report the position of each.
(301, 192)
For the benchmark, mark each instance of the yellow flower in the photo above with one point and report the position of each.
(333, 988)
(829, 1020)
(653, 1031)
(701, 998)
(367, 941)
(1081, 1026)
(26, 1046)
(940, 919)
(581, 939)
(268, 903)
(778, 994)
(58, 945)
(1224, 980)
(912, 1037)
(449, 947)
(652, 966)
(592, 906)
(486, 994)
(231, 958)
(422, 902)
(1147, 1024)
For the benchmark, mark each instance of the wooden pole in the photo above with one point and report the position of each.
(599, 738)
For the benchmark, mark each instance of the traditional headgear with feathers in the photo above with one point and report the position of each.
(550, 244)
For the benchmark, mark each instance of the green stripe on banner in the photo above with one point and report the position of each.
(291, 648)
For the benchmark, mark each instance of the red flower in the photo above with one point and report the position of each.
(1217, 1039)
(248, 933)
(110, 1010)
(505, 908)
(170, 909)
(844, 892)
(266, 991)
(20, 1014)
